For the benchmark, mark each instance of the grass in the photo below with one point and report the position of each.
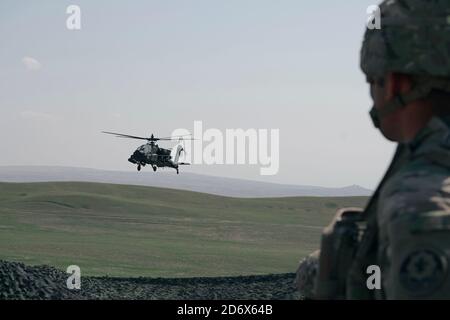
(120, 230)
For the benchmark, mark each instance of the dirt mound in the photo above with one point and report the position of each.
(18, 281)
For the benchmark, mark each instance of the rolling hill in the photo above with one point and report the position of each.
(122, 230)
(169, 179)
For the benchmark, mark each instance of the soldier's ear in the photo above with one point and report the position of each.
(396, 84)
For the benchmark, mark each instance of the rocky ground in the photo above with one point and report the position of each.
(18, 281)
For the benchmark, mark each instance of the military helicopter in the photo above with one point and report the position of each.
(150, 153)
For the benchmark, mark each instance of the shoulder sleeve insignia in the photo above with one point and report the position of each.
(423, 271)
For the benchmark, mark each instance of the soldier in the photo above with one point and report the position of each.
(405, 228)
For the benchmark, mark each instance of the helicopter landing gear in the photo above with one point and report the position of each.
(139, 167)
(154, 168)
(178, 171)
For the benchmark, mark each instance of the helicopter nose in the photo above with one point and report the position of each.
(132, 160)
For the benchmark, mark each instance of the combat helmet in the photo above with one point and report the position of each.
(414, 39)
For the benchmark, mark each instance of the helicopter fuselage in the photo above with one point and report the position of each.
(152, 154)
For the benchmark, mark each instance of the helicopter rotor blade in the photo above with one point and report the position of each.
(152, 138)
(120, 135)
(176, 137)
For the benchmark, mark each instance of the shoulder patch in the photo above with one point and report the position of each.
(423, 271)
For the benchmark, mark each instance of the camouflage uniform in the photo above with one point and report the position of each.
(412, 211)
(407, 221)
(413, 219)
(306, 275)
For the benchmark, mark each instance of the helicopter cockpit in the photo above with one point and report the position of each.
(148, 149)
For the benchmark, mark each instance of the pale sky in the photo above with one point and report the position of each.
(142, 67)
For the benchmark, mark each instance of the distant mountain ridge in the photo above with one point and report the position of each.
(186, 181)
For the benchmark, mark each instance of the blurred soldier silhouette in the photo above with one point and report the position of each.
(405, 228)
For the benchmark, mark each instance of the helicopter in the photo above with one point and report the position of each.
(151, 154)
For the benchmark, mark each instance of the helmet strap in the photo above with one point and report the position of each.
(420, 91)
(375, 118)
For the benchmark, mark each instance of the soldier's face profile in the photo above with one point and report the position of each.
(380, 96)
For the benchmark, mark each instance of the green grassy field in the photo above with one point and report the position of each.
(122, 230)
